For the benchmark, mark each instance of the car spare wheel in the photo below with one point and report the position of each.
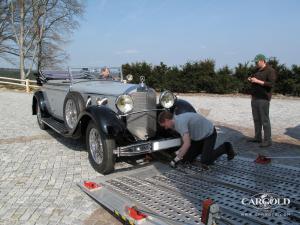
(73, 106)
(100, 149)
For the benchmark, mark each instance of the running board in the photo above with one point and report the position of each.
(57, 126)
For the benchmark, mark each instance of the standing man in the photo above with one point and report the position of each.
(262, 83)
(198, 135)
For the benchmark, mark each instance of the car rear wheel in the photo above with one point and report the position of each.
(73, 106)
(39, 114)
(100, 149)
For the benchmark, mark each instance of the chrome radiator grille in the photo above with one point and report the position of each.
(143, 125)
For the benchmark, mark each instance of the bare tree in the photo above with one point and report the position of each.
(40, 27)
(6, 35)
(22, 23)
(51, 52)
(60, 23)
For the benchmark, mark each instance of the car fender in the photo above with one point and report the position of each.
(38, 98)
(106, 119)
(182, 106)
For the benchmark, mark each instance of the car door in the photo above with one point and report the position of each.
(56, 92)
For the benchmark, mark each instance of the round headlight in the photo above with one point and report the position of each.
(167, 99)
(124, 103)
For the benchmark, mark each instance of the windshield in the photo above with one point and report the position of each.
(100, 73)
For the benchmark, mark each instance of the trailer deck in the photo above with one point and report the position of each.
(175, 196)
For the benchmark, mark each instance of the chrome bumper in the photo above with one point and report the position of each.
(147, 147)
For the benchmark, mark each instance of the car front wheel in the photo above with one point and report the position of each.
(100, 149)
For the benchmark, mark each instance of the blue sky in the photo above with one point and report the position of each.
(114, 32)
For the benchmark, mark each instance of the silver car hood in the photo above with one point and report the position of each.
(103, 87)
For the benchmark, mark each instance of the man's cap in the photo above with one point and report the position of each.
(259, 57)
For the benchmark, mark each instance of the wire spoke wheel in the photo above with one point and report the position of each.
(100, 149)
(71, 113)
(96, 145)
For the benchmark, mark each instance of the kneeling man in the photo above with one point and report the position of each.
(198, 135)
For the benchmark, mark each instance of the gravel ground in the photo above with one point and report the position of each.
(236, 111)
(40, 169)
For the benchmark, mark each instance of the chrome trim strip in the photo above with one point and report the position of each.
(158, 145)
(151, 146)
(147, 110)
(88, 101)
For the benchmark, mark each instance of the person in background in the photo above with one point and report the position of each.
(262, 82)
(105, 73)
(198, 136)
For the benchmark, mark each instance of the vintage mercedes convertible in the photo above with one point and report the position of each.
(116, 118)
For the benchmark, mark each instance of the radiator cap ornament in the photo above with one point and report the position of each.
(142, 82)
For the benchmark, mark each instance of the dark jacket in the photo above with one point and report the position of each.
(268, 75)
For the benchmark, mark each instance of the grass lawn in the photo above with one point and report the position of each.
(13, 73)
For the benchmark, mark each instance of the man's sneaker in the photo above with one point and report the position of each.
(230, 152)
(255, 140)
(265, 144)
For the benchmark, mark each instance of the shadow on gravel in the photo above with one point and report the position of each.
(74, 144)
(293, 132)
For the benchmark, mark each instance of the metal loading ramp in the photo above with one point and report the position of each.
(175, 196)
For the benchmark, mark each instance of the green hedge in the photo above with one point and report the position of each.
(202, 76)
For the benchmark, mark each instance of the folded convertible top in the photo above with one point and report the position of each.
(61, 74)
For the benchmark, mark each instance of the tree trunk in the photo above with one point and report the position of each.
(21, 40)
(39, 57)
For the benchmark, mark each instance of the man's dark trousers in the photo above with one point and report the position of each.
(260, 112)
(205, 147)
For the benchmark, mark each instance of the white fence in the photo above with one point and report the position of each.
(18, 82)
